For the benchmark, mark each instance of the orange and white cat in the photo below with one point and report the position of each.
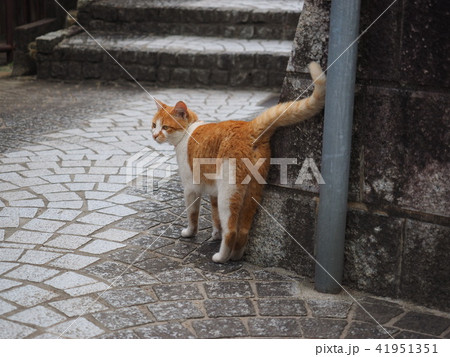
(234, 197)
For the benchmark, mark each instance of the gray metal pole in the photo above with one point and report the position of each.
(337, 135)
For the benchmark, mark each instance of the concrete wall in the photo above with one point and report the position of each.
(398, 222)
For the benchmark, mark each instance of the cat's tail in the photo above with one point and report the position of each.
(290, 113)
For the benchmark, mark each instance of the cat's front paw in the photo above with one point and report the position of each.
(188, 232)
(219, 258)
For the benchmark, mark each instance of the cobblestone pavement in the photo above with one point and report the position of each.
(70, 228)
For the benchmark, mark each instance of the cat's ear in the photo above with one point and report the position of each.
(180, 109)
(159, 105)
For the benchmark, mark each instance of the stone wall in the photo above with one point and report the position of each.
(398, 222)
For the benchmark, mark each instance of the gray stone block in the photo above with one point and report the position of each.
(274, 327)
(425, 269)
(220, 328)
(168, 330)
(229, 307)
(372, 252)
(179, 310)
(282, 307)
(270, 242)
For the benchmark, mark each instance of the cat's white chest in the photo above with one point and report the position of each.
(183, 160)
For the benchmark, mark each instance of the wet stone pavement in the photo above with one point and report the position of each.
(83, 254)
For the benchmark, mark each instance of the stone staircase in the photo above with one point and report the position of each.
(243, 43)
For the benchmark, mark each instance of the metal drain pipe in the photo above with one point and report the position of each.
(337, 135)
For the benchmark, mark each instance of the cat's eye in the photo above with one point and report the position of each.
(154, 125)
(165, 127)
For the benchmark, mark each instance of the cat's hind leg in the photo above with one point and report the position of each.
(217, 229)
(230, 200)
(193, 200)
(249, 208)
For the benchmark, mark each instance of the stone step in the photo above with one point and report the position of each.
(181, 60)
(231, 18)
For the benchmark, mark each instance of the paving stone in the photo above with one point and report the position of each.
(73, 261)
(136, 278)
(39, 316)
(125, 199)
(282, 307)
(27, 203)
(38, 257)
(229, 307)
(10, 330)
(367, 330)
(112, 187)
(412, 335)
(425, 323)
(60, 214)
(10, 254)
(131, 255)
(80, 229)
(5, 308)
(9, 222)
(84, 186)
(322, 328)
(43, 225)
(100, 246)
(220, 328)
(329, 308)
(5, 284)
(138, 224)
(179, 275)
(380, 310)
(156, 265)
(107, 270)
(179, 310)
(177, 250)
(267, 275)
(274, 327)
(22, 212)
(32, 273)
(166, 331)
(117, 235)
(149, 206)
(98, 218)
(57, 178)
(78, 306)
(5, 267)
(79, 328)
(62, 196)
(67, 241)
(16, 195)
(49, 188)
(29, 237)
(167, 231)
(122, 318)
(97, 204)
(272, 289)
(178, 292)
(89, 178)
(241, 274)
(231, 289)
(87, 289)
(66, 204)
(118, 210)
(126, 297)
(69, 280)
(150, 242)
(28, 295)
(120, 335)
